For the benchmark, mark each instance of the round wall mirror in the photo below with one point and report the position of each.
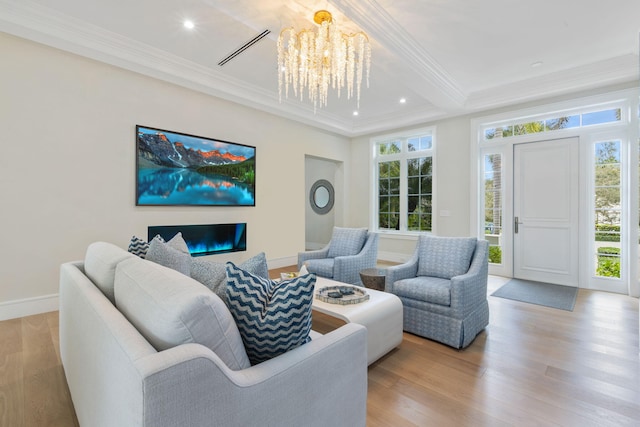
(321, 196)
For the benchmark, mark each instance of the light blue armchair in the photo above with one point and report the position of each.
(443, 289)
(349, 251)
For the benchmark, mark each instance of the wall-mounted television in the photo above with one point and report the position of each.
(205, 239)
(178, 169)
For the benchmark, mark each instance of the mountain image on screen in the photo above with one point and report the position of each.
(157, 149)
(180, 169)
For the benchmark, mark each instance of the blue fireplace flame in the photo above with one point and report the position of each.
(207, 239)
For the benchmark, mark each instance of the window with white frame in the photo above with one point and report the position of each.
(493, 196)
(404, 181)
(548, 123)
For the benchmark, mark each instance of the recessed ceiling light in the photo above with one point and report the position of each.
(189, 24)
(403, 100)
(355, 113)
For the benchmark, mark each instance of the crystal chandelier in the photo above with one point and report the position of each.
(317, 60)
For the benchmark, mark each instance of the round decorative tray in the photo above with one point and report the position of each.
(343, 295)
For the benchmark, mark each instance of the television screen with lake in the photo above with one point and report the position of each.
(179, 169)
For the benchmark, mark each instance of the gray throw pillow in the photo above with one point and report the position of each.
(163, 254)
(214, 276)
(177, 242)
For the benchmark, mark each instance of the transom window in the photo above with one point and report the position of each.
(404, 182)
(554, 122)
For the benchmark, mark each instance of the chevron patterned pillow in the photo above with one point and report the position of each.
(138, 246)
(272, 317)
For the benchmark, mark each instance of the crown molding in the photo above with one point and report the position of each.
(49, 27)
(620, 69)
(434, 82)
(52, 28)
(396, 121)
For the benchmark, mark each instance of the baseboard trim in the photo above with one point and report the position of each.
(382, 256)
(314, 246)
(283, 262)
(394, 257)
(28, 306)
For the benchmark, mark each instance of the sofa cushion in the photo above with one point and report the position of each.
(444, 257)
(169, 309)
(100, 263)
(166, 254)
(273, 317)
(428, 289)
(214, 274)
(346, 241)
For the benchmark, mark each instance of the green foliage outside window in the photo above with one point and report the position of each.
(405, 183)
(608, 262)
(389, 195)
(607, 233)
(495, 255)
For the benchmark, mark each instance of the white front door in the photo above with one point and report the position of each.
(545, 210)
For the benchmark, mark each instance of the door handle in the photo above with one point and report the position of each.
(515, 225)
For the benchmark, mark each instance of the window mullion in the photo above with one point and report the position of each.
(403, 195)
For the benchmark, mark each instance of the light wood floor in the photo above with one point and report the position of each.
(532, 366)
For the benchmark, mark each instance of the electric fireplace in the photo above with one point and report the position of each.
(206, 239)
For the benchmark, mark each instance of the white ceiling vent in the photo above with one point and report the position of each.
(244, 47)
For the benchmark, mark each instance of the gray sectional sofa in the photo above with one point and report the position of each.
(144, 345)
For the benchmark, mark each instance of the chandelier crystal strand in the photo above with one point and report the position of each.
(359, 70)
(315, 61)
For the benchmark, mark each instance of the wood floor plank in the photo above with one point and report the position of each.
(48, 400)
(10, 337)
(533, 366)
(11, 390)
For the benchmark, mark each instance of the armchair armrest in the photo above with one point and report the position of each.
(469, 289)
(190, 385)
(319, 254)
(401, 271)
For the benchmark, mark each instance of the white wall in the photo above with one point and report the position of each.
(67, 164)
(67, 168)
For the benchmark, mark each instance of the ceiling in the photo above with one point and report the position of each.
(446, 57)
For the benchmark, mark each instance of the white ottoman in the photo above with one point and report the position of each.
(381, 315)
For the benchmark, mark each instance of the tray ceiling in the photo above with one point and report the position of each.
(445, 57)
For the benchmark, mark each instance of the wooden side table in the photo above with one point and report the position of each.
(373, 278)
